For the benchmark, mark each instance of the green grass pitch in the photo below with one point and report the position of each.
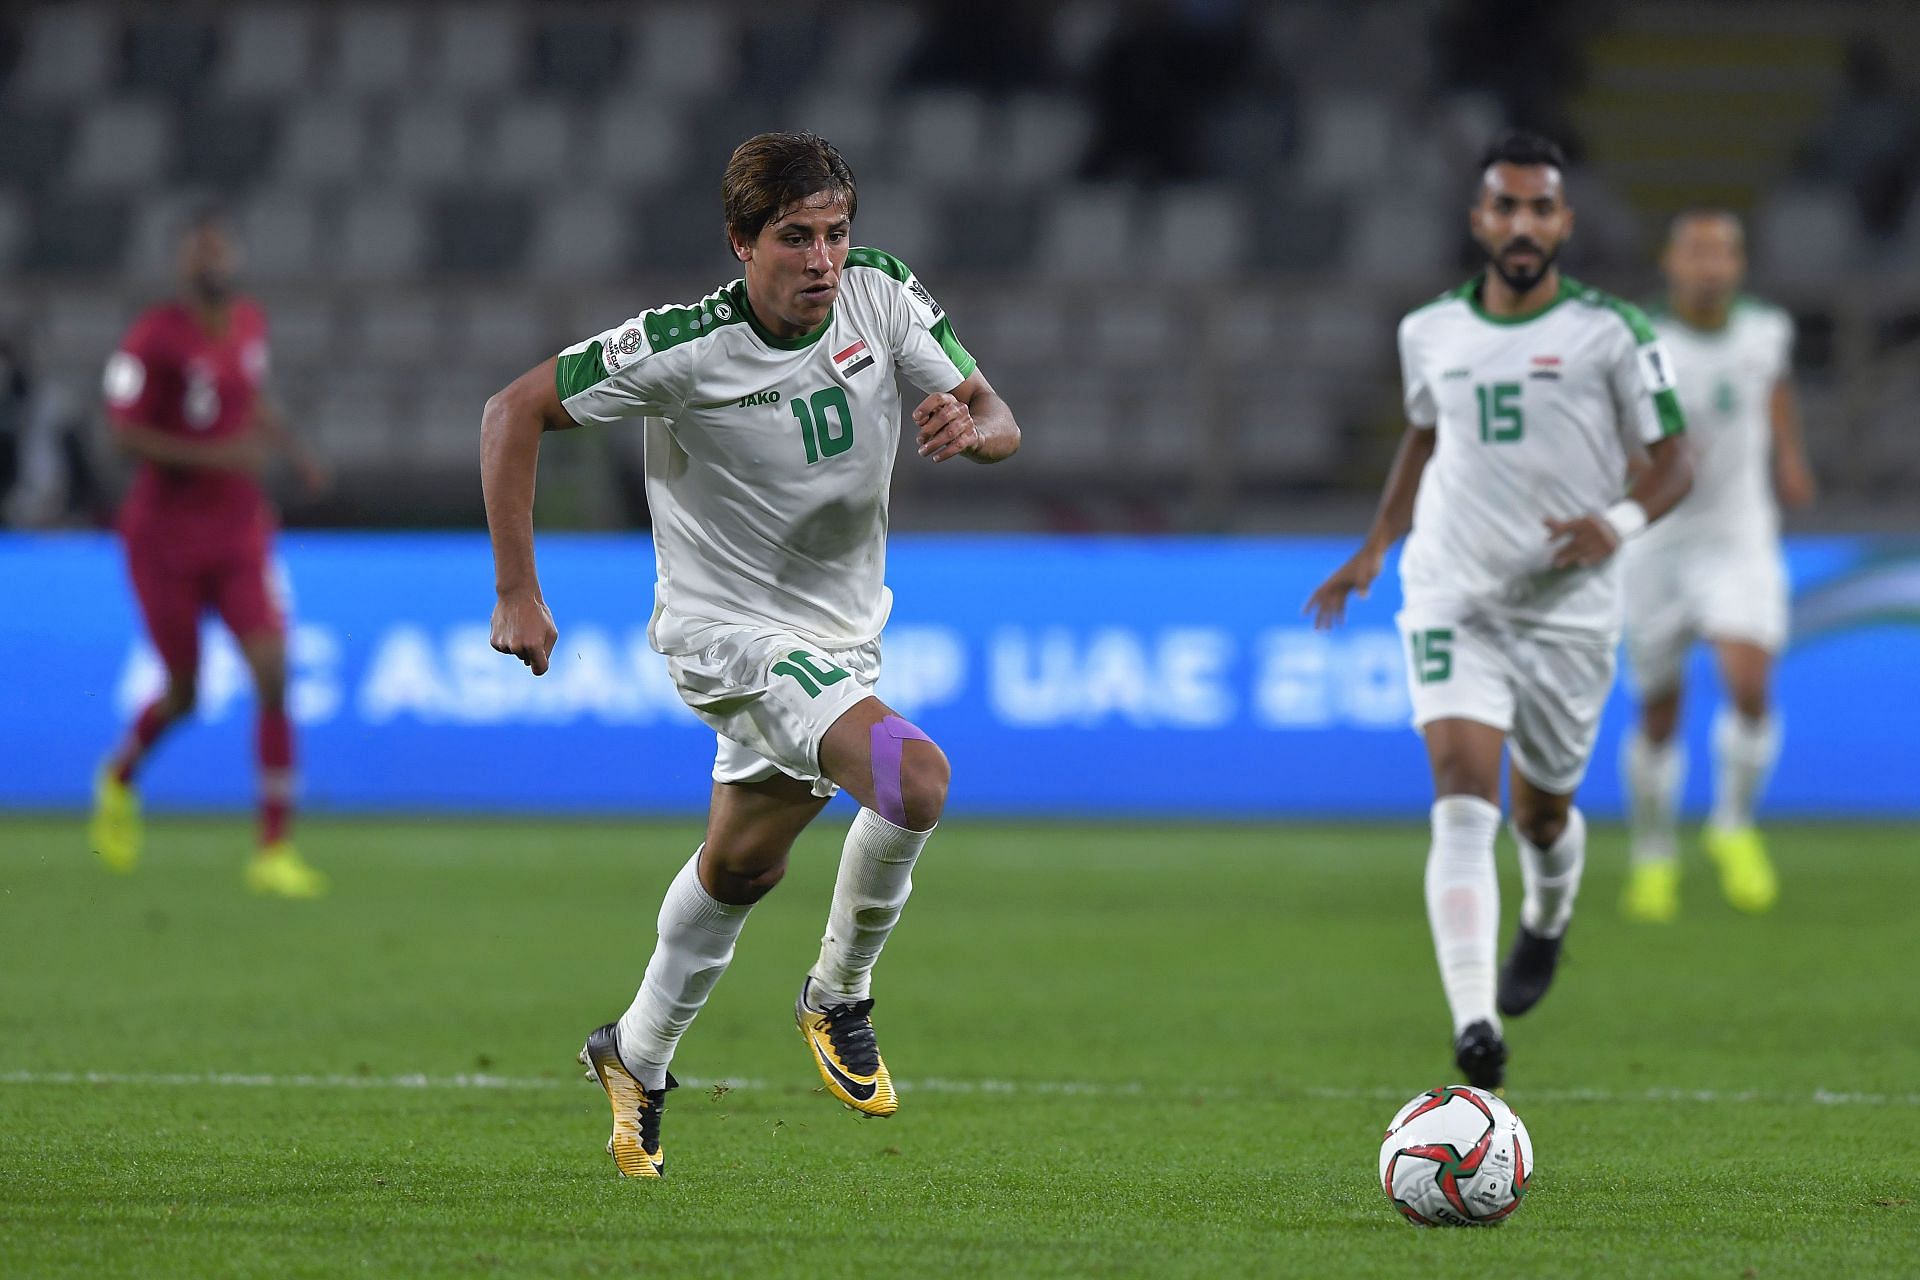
(1141, 1050)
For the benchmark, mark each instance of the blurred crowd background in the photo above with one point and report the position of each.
(1177, 235)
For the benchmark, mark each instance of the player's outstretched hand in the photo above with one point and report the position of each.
(1582, 542)
(523, 627)
(1327, 606)
(946, 427)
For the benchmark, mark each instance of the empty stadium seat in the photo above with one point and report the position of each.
(531, 142)
(430, 142)
(582, 237)
(322, 142)
(1088, 231)
(266, 50)
(67, 52)
(282, 234)
(1805, 232)
(380, 237)
(374, 49)
(123, 143)
(475, 49)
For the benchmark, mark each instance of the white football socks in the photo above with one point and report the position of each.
(1463, 905)
(876, 875)
(1743, 751)
(697, 933)
(1552, 877)
(1655, 773)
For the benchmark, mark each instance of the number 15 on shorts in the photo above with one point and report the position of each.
(1432, 654)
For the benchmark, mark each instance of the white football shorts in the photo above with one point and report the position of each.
(1680, 593)
(1544, 690)
(771, 696)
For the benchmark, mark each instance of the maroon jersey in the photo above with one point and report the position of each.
(172, 375)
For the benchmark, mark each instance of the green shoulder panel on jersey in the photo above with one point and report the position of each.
(664, 328)
(1665, 403)
(1633, 317)
(1459, 293)
(882, 261)
(879, 260)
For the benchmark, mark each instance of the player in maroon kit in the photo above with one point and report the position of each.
(185, 392)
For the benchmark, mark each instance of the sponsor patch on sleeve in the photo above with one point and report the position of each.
(923, 302)
(1656, 367)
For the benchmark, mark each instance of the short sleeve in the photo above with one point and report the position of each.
(630, 371)
(924, 345)
(138, 374)
(1423, 410)
(1642, 379)
(1781, 348)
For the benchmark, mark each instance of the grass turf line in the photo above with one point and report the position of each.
(1229, 969)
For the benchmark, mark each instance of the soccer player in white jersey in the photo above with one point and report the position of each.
(1712, 570)
(772, 420)
(1526, 395)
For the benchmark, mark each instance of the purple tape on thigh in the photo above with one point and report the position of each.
(886, 737)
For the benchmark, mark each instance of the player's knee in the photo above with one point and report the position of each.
(1461, 775)
(1749, 698)
(924, 775)
(1542, 826)
(182, 692)
(745, 876)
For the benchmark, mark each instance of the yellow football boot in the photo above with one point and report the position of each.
(1653, 892)
(115, 829)
(635, 1144)
(1746, 875)
(279, 870)
(840, 1037)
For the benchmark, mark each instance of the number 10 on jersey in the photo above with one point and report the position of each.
(826, 423)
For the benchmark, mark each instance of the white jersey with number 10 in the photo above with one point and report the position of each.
(768, 459)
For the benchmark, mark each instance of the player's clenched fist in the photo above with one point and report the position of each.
(946, 427)
(523, 627)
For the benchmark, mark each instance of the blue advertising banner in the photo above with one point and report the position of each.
(1069, 676)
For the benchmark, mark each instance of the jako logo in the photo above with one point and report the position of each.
(758, 397)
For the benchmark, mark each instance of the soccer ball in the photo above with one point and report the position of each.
(1456, 1157)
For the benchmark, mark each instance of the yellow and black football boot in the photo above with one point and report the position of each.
(840, 1037)
(635, 1144)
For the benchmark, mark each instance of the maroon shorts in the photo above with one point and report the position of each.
(176, 589)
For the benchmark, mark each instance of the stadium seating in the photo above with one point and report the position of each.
(466, 187)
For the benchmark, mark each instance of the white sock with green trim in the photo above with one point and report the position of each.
(697, 933)
(1743, 754)
(1552, 877)
(1655, 773)
(1463, 905)
(875, 878)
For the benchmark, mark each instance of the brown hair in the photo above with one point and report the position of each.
(769, 173)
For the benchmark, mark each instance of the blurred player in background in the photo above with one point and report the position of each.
(1526, 396)
(771, 421)
(1713, 570)
(186, 395)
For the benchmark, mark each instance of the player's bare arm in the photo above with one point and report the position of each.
(510, 430)
(278, 437)
(237, 453)
(1792, 475)
(1328, 604)
(1587, 540)
(971, 421)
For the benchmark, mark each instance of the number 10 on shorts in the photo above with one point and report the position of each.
(1432, 654)
(807, 671)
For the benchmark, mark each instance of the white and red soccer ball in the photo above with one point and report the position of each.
(1456, 1157)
